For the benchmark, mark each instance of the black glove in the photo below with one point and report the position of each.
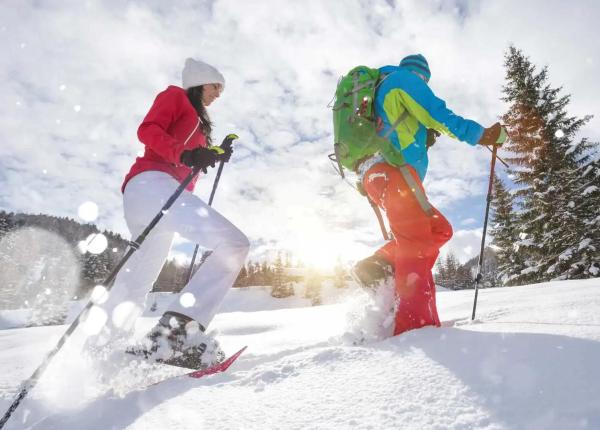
(200, 157)
(494, 135)
(227, 151)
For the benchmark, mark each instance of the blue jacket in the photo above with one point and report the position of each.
(403, 90)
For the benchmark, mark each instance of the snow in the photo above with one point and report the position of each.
(585, 243)
(589, 190)
(529, 361)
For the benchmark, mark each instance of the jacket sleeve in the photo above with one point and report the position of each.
(152, 132)
(432, 112)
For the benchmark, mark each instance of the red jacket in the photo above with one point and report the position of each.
(170, 127)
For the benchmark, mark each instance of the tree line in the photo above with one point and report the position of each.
(451, 274)
(43, 265)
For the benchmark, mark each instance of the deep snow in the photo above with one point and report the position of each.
(529, 361)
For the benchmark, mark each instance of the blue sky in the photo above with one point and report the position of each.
(78, 77)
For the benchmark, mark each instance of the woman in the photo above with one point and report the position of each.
(176, 133)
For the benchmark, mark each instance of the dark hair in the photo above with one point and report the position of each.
(195, 96)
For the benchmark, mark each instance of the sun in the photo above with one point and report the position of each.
(324, 253)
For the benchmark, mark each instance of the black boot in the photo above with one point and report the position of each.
(372, 270)
(178, 340)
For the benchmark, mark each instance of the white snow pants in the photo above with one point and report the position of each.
(191, 218)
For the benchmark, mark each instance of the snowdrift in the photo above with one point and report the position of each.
(529, 361)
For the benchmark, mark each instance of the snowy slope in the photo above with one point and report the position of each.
(530, 361)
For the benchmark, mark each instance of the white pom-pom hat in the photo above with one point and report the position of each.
(197, 72)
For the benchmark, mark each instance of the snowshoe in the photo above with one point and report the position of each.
(371, 271)
(180, 341)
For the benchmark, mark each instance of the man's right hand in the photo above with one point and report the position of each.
(199, 157)
(494, 135)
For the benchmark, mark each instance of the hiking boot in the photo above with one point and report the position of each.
(178, 340)
(371, 271)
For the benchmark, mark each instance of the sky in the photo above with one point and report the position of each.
(77, 78)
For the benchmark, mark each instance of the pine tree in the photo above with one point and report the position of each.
(4, 223)
(242, 279)
(340, 273)
(451, 265)
(546, 164)
(8, 293)
(503, 227)
(463, 278)
(440, 273)
(280, 288)
(586, 204)
(313, 287)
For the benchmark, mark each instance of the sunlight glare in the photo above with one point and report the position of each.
(324, 253)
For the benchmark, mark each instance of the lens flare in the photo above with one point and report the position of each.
(88, 211)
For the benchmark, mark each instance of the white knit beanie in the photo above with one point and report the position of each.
(196, 72)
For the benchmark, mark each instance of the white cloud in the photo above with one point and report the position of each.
(468, 221)
(465, 244)
(76, 88)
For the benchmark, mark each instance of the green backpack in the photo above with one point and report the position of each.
(354, 122)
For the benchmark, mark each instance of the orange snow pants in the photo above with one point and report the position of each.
(419, 232)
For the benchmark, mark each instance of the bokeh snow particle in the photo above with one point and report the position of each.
(125, 315)
(88, 211)
(559, 133)
(94, 320)
(95, 243)
(187, 300)
(192, 328)
(77, 108)
(99, 294)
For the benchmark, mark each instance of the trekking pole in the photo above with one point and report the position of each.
(30, 383)
(485, 222)
(498, 158)
(227, 143)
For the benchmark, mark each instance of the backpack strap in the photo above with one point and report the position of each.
(414, 187)
(355, 92)
(396, 123)
(410, 181)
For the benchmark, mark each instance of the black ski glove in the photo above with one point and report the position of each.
(226, 155)
(494, 135)
(199, 157)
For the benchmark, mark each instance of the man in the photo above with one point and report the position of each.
(405, 103)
